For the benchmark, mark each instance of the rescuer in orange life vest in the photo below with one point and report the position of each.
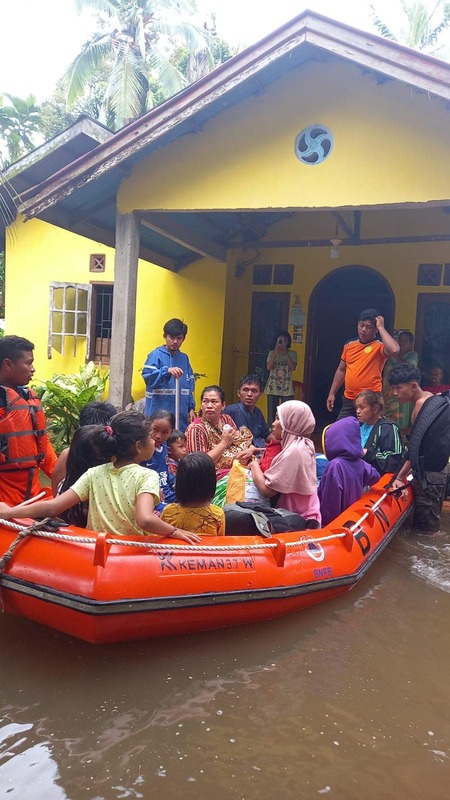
(24, 444)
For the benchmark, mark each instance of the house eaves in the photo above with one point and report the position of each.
(43, 162)
(83, 127)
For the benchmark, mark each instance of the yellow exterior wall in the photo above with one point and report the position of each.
(396, 151)
(396, 263)
(39, 253)
(197, 295)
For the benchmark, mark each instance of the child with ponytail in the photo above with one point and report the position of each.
(121, 493)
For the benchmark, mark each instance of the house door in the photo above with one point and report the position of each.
(270, 313)
(333, 313)
(433, 332)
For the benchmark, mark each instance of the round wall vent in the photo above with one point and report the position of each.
(314, 144)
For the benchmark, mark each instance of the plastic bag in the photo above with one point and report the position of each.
(221, 490)
(236, 483)
(252, 494)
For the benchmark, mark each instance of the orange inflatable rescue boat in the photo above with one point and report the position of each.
(105, 589)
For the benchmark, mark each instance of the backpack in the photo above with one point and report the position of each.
(251, 519)
(429, 442)
(383, 436)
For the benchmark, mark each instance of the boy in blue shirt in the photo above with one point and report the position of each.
(162, 368)
(246, 413)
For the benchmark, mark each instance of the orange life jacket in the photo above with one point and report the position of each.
(23, 440)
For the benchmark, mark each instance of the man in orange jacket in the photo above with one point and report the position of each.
(24, 444)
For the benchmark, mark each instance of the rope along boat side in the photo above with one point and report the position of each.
(104, 589)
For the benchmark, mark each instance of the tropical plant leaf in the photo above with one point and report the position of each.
(381, 27)
(108, 7)
(126, 94)
(423, 27)
(137, 39)
(64, 396)
(172, 80)
(91, 58)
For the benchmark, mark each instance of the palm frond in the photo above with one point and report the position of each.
(149, 100)
(8, 199)
(186, 31)
(139, 34)
(408, 10)
(108, 7)
(418, 25)
(434, 33)
(381, 27)
(423, 28)
(432, 36)
(199, 64)
(125, 92)
(93, 55)
(171, 79)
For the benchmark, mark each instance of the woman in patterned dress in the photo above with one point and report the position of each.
(206, 434)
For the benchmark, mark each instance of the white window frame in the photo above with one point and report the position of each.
(66, 312)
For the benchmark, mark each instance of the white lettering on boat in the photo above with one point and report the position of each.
(171, 563)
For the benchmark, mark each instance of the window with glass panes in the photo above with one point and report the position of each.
(70, 311)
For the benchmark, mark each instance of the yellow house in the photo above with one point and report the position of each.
(301, 181)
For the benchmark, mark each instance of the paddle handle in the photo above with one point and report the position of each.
(177, 403)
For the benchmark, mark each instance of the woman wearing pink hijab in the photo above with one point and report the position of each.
(292, 472)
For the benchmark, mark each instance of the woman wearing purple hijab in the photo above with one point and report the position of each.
(347, 474)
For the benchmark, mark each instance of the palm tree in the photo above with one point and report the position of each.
(425, 23)
(134, 42)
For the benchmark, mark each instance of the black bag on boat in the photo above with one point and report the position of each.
(251, 519)
(429, 442)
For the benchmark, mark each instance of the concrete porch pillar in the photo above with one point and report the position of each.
(124, 308)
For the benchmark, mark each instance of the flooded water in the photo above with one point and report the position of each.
(346, 700)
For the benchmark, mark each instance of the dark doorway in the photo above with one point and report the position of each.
(433, 332)
(270, 313)
(332, 319)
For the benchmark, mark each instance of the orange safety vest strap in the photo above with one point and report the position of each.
(23, 440)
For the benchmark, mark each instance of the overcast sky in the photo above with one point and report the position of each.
(39, 38)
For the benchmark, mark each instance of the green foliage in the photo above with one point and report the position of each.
(20, 121)
(134, 43)
(425, 23)
(55, 117)
(142, 52)
(192, 66)
(64, 396)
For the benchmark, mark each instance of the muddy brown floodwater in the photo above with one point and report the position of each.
(348, 700)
